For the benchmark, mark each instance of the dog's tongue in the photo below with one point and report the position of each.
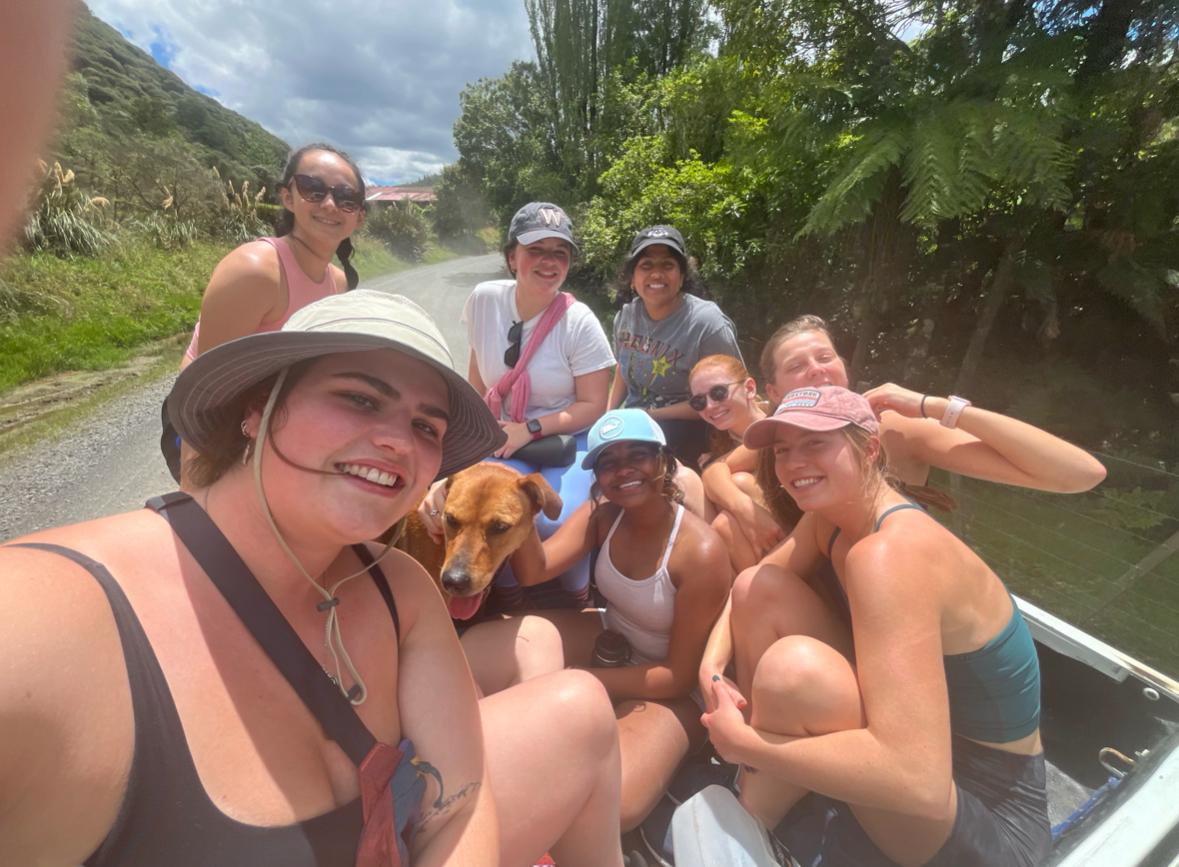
(464, 607)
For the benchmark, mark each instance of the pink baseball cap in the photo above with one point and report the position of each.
(828, 407)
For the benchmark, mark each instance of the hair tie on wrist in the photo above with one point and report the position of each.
(924, 397)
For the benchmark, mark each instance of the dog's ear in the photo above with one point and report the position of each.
(542, 495)
(448, 483)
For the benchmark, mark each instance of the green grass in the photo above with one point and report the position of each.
(93, 313)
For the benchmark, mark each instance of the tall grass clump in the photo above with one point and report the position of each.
(65, 220)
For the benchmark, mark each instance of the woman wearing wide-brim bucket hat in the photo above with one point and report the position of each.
(247, 643)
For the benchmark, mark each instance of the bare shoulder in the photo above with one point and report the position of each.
(909, 555)
(699, 550)
(338, 275)
(413, 588)
(253, 267)
(66, 730)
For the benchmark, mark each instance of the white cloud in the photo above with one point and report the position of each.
(380, 79)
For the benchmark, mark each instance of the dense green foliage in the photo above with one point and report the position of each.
(1007, 167)
(401, 226)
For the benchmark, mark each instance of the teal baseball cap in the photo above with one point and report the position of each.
(621, 425)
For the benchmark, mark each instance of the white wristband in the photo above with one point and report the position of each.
(954, 407)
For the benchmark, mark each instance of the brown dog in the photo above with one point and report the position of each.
(489, 513)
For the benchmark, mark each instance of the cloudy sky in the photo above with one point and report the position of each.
(379, 78)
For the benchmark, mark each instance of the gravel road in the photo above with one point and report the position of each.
(109, 461)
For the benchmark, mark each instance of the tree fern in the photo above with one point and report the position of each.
(850, 197)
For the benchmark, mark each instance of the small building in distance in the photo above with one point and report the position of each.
(419, 195)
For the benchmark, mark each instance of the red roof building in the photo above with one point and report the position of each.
(419, 195)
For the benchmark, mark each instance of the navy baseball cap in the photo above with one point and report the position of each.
(539, 220)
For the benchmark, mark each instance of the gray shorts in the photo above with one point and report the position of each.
(1002, 818)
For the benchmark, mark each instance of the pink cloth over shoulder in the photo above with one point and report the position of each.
(515, 384)
(301, 290)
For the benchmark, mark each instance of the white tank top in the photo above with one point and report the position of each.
(643, 609)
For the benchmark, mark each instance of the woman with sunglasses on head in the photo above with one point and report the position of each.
(661, 333)
(238, 677)
(919, 720)
(725, 396)
(260, 284)
(664, 575)
(543, 362)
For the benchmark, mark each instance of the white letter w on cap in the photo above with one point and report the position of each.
(550, 216)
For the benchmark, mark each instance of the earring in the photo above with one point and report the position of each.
(249, 450)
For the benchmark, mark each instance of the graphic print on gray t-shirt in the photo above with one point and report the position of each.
(655, 356)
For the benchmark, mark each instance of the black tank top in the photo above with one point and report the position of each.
(166, 816)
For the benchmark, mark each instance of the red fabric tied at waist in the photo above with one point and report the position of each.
(391, 790)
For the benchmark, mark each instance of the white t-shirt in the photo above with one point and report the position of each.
(577, 345)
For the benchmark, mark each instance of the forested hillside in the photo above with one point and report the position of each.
(120, 103)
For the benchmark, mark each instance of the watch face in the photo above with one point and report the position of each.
(533, 426)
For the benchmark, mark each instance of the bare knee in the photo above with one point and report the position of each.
(579, 700)
(759, 586)
(539, 648)
(803, 686)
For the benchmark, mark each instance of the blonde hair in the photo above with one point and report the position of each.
(877, 474)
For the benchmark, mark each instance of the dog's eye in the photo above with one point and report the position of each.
(452, 521)
(498, 527)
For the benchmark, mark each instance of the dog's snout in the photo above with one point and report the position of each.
(456, 581)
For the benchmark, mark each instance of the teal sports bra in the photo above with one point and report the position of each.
(994, 691)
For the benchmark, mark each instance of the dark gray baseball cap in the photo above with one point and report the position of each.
(668, 236)
(539, 220)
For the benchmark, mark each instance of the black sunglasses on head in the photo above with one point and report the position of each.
(717, 394)
(314, 190)
(512, 353)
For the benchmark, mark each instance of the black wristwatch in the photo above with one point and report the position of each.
(533, 426)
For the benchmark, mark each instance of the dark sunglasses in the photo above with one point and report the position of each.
(312, 189)
(717, 394)
(512, 353)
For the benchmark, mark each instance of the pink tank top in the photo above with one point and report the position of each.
(301, 290)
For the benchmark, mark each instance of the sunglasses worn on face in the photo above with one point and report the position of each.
(314, 190)
(512, 353)
(717, 394)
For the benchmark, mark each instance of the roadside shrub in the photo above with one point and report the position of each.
(238, 220)
(65, 221)
(402, 227)
(165, 231)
